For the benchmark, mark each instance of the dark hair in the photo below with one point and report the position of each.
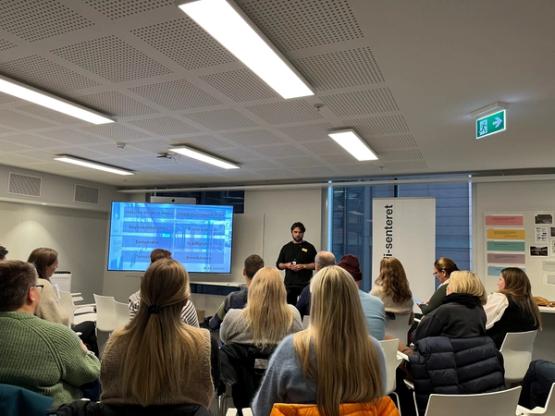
(519, 290)
(43, 258)
(3, 252)
(159, 253)
(253, 263)
(444, 264)
(16, 278)
(298, 225)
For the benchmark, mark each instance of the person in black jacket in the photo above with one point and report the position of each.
(443, 267)
(461, 314)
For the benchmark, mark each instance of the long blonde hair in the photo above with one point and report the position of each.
(159, 346)
(267, 313)
(345, 368)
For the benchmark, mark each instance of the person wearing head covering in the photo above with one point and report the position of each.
(372, 306)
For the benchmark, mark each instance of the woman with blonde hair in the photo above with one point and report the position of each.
(332, 362)
(157, 359)
(511, 308)
(267, 318)
(461, 314)
(392, 287)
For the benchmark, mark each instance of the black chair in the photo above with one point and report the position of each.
(242, 368)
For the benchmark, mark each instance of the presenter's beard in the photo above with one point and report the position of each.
(297, 239)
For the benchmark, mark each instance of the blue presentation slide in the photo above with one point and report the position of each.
(199, 236)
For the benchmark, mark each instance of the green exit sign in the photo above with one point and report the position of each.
(491, 124)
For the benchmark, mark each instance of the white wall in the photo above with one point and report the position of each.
(262, 229)
(78, 236)
(512, 197)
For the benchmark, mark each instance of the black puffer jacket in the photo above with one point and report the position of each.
(455, 366)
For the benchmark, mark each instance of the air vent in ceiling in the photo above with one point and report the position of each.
(86, 194)
(24, 184)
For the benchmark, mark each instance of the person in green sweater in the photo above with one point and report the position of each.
(36, 354)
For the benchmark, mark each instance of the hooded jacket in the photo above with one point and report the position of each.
(381, 407)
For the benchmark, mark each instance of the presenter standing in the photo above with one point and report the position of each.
(297, 259)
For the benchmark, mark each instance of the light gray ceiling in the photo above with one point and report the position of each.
(406, 74)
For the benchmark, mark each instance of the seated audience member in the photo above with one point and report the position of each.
(537, 384)
(238, 300)
(267, 318)
(188, 314)
(38, 355)
(156, 359)
(461, 314)
(45, 261)
(322, 259)
(392, 287)
(3, 253)
(443, 267)
(332, 362)
(512, 308)
(372, 306)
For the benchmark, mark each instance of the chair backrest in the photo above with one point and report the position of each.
(306, 321)
(517, 350)
(66, 302)
(550, 402)
(390, 347)
(486, 404)
(397, 325)
(122, 314)
(15, 400)
(105, 312)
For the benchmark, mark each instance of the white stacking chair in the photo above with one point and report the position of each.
(517, 354)
(122, 314)
(398, 327)
(106, 320)
(392, 361)
(548, 410)
(499, 403)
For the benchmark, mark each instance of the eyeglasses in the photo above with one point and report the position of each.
(38, 286)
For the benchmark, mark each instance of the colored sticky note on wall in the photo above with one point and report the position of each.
(514, 220)
(506, 258)
(502, 234)
(506, 246)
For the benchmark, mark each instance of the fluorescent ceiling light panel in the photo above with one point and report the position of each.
(93, 165)
(353, 143)
(203, 157)
(35, 96)
(232, 28)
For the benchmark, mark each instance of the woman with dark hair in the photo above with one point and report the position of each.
(45, 261)
(392, 287)
(157, 359)
(443, 267)
(511, 308)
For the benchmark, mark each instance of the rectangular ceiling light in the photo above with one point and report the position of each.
(226, 23)
(35, 96)
(204, 157)
(353, 143)
(93, 165)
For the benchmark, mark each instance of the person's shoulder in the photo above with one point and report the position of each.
(233, 314)
(369, 298)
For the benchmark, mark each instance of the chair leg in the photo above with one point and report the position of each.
(415, 404)
(397, 401)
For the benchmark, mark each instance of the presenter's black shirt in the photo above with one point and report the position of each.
(301, 253)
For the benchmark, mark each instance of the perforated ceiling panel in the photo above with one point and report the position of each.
(111, 58)
(18, 121)
(347, 68)
(379, 100)
(398, 155)
(307, 133)
(185, 42)
(298, 24)
(221, 119)
(176, 95)
(254, 138)
(116, 132)
(383, 143)
(115, 103)
(164, 126)
(240, 85)
(34, 20)
(123, 8)
(45, 74)
(381, 125)
(286, 112)
(6, 44)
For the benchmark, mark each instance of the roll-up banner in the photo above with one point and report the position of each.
(405, 228)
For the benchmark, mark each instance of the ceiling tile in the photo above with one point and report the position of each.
(383, 143)
(308, 132)
(72, 137)
(240, 85)
(254, 138)
(285, 112)
(298, 161)
(18, 121)
(164, 126)
(115, 103)
(280, 151)
(221, 119)
(375, 101)
(207, 143)
(31, 141)
(126, 8)
(378, 125)
(7, 147)
(176, 95)
(116, 132)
